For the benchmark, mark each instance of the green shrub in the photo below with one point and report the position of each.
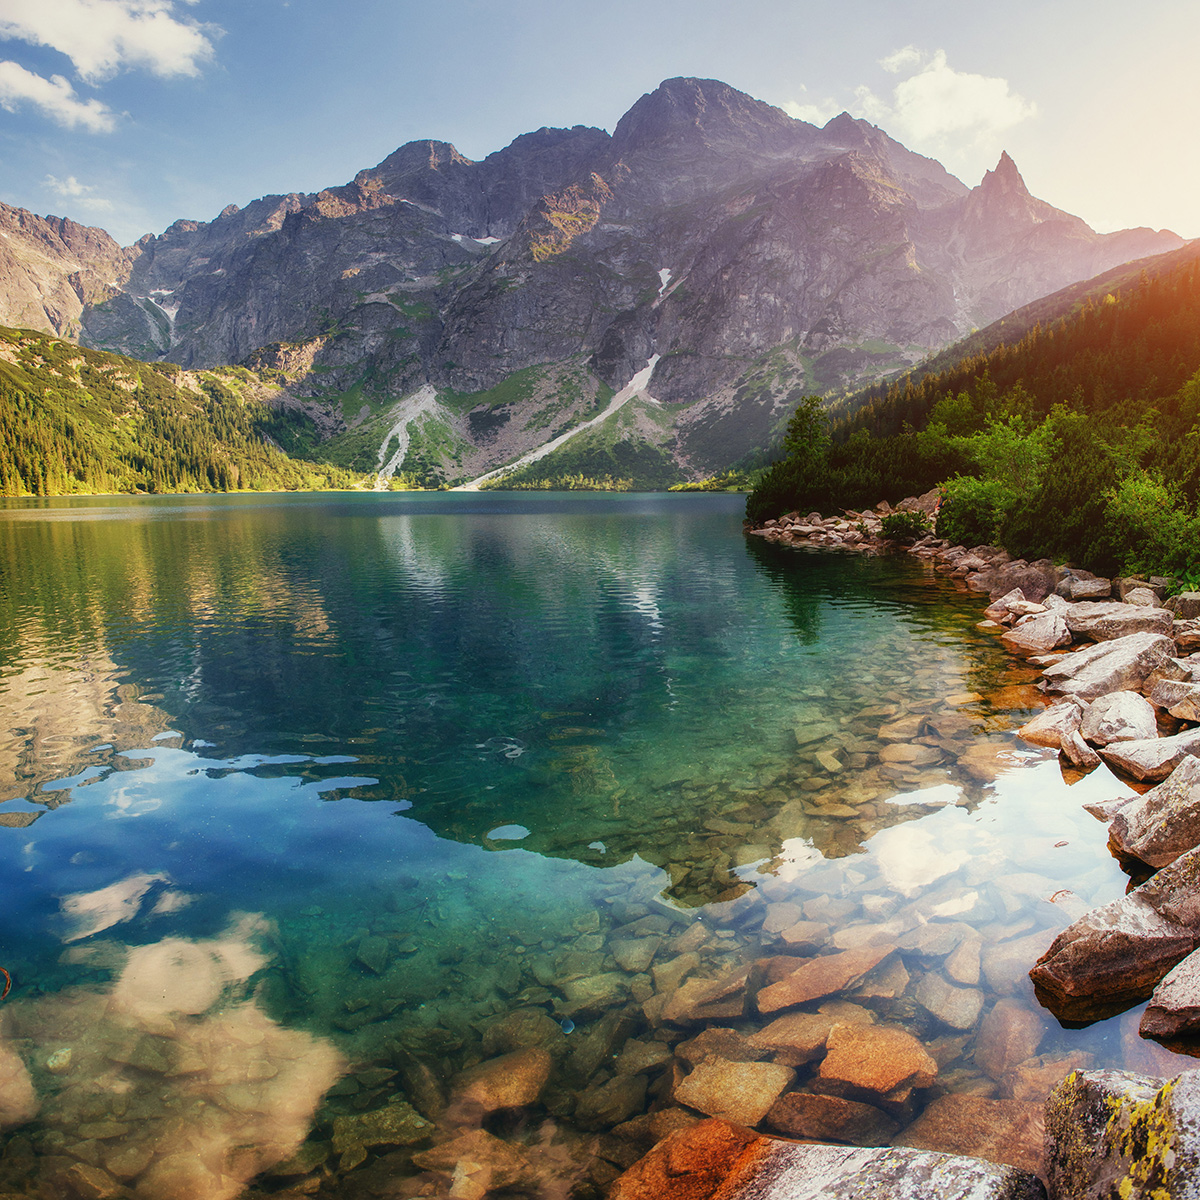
(1148, 530)
(905, 525)
(972, 511)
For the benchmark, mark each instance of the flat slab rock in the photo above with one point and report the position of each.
(1102, 621)
(1123, 664)
(1113, 1133)
(1174, 1009)
(1152, 758)
(1008, 1132)
(1115, 955)
(717, 1161)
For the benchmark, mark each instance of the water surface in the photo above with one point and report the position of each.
(309, 805)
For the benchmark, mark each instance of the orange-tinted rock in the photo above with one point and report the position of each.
(876, 1059)
(798, 1036)
(818, 977)
(510, 1081)
(693, 1163)
(708, 999)
(740, 1092)
(999, 1131)
(726, 1043)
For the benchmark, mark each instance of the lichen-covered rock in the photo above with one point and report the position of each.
(1119, 717)
(1114, 1134)
(1116, 954)
(1163, 823)
(1119, 665)
(718, 1160)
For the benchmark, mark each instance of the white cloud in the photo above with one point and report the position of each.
(100, 37)
(71, 189)
(937, 104)
(55, 97)
(895, 62)
(814, 114)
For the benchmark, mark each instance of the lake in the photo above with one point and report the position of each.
(338, 829)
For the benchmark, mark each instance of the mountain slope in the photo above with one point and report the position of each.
(78, 421)
(758, 257)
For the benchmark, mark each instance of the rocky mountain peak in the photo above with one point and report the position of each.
(700, 112)
(1005, 178)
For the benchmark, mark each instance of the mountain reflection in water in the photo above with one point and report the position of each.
(331, 828)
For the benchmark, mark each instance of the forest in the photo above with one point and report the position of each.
(1078, 441)
(79, 421)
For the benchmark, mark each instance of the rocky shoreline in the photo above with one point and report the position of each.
(1120, 666)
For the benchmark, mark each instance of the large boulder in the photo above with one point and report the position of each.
(1163, 823)
(1152, 758)
(716, 1159)
(1119, 717)
(1052, 727)
(1083, 585)
(1114, 1134)
(1038, 634)
(1174, 1009)
(1123, 664)
(1186, 606)
(1115, 955)
(1106, 620)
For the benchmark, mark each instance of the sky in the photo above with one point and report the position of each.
(129, 114)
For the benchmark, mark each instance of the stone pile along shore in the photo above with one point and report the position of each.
(1121, 660)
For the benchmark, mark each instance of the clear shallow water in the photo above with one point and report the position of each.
(310, 804)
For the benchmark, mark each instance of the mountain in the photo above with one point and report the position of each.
(74, 420)
(462, 315)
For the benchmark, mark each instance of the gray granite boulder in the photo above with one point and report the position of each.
(1082, 585)
(1123, 664)
(1113, 1134)
(1174, 1009)
(1186, 606)
(1115, 955)
(717, 1159)
(1152, 758)
(1105, 620)
(1119, 717)
(1038, 634)
(1049, 728)
(1159, 826)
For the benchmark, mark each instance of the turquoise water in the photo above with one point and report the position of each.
(311, 804)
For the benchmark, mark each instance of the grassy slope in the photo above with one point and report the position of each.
(78, 421)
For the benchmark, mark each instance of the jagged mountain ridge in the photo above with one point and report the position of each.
(756, 255)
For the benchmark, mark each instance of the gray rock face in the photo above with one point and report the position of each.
(1051, 727)
(1186, 606)
(1174, 1009)
(798, 1172)
(1154, 758)
(1159, 826)
(1038, 634)
(709, 228)
(1116, 954)
(1119, 717)
(1104, 620)
(1119, 665)
(1111, 1133)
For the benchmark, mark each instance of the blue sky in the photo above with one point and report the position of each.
(129, 114)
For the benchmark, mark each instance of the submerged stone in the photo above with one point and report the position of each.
(741, 1092)
(1001, 1131)
(831, 1118)
(819, 977)
(510, 1081)
(876, 1059)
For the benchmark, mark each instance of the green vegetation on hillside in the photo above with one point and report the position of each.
(78, 421)
(1080, 441)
